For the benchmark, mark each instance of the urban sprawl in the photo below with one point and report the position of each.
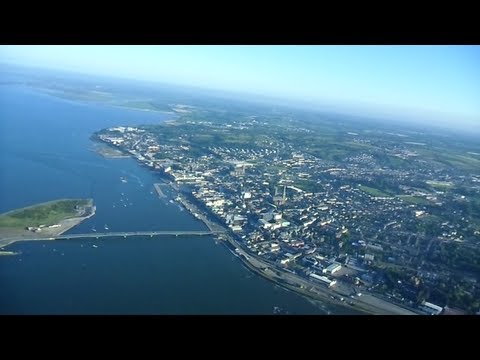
(378, 228)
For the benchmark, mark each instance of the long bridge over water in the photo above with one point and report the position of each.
(136, 233)
(115, 234)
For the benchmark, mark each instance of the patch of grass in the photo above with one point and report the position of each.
(145, 105)
(396, 162)
(374, 192)
(48, 213)
(440, 185)
(308, 185)
(450, 158)
(414, 199)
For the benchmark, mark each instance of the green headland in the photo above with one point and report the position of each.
(44, 220)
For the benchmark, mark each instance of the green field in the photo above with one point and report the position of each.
(414, 199)
(48, 213)
(373, 192)
(450, 158)
(308, 185)
(145, 105)
(81, 95)
(440, 185)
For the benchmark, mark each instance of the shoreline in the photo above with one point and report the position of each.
(39, 204)
(304, 288)
(66, 225)
(339, 296)
(293, 282)
(103, 149)
(165, 112)
(261, 267)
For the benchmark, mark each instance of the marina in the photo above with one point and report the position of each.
(127, 275)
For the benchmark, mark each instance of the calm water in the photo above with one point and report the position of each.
(44, 155)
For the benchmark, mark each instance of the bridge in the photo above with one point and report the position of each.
(7, 241)
(135, 233)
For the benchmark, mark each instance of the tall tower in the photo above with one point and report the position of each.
(277, 198)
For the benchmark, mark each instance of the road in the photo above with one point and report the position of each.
(367, 303)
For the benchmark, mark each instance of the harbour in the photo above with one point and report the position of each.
(127, 275)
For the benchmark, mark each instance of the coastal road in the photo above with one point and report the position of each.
(366, 302)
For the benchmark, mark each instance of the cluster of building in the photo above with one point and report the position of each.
(39, 228)
(309, 215)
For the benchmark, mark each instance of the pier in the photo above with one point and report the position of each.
(212, 226)
(158, 188)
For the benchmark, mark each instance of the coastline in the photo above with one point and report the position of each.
(106, 151)
(311, 291)
(340, 295)
(66, 225)
(293, 282)
(140, 109)
(259, 266)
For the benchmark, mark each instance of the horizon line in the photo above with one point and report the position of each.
(370, 111)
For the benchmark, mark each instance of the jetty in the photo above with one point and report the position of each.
(158, 188)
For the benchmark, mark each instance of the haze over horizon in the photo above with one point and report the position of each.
(438, 85)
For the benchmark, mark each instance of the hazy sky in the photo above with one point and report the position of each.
(442, 79)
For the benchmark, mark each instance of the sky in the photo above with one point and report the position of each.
(422, 80)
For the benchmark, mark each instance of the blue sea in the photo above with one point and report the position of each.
(45, 154)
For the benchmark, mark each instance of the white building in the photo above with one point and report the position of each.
(323, 279)
(333, 268)
(431, 309)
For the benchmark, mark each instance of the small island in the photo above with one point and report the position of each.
(44, 221)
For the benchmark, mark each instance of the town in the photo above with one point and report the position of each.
(367, 215)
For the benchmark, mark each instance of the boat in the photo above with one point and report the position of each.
(106, 227)
(279, 311)
(94, 230)
(95, 246)
(236, 252)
